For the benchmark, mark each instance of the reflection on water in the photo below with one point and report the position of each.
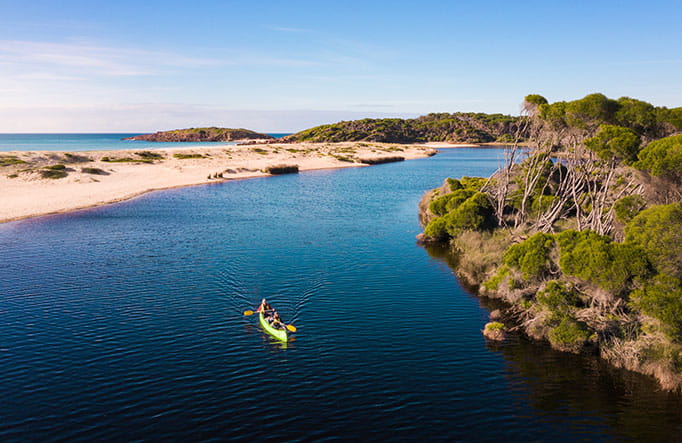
(563, 386)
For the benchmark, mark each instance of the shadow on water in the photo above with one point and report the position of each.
(564, 387)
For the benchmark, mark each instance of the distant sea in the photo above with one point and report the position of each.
(88, 142)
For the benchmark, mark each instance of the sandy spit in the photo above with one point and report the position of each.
(27, 193)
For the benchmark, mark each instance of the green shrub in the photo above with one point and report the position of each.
(126, 160)
(535, 99)
(7, 160)
(626, 208)
(662, 157)
(184, 156)
(661, 298)
(454, 184)
(76, 158)
(476, 214)
(595, 258)
(474, 183)
(149, 155)
(532, 256)
(95, 171)
(557, 298)
(437, 229)
(493, 283)
(53, 173)
(658, 230)
(615, 142)
(570, 335)
(446, 203)
(56, 167)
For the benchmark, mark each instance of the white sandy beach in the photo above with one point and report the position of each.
(25, 193)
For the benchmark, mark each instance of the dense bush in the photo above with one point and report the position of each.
(570, 335)
(615, 142)
(557, 298)
(596, 259)
(476, 213)
(446, 203)
(658, 230)
(661, 298)
(662, 157)
(594, 110)
(474, 183)
(437, 229)
(532, 256)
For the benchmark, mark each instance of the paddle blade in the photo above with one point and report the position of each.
(292, 328)
(248, 312)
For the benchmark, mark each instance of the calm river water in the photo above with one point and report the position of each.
(125, 322)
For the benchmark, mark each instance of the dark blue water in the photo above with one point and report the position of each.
(125, 322)
(89, 142)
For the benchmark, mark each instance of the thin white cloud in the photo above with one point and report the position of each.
(103, 60)
(289, 29)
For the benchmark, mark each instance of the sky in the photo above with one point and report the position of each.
(282, 66)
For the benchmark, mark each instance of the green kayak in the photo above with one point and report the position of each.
(277, 333)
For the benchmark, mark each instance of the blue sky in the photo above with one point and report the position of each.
(94, 66)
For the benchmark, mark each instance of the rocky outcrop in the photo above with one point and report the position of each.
(202, 135)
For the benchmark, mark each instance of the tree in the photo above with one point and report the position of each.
(615, 143)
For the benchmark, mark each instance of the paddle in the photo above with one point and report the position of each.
(292, 328)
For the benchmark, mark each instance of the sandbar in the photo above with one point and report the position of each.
(97, 178)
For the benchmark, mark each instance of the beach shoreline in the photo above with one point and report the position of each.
(121, 175)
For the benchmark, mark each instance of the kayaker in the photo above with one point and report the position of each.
(264, 306)
(275, 320)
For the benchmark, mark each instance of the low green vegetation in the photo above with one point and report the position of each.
(94, 171)
(54, 171)
(457, 127)
(7, 160)
(185, 156)
(582, 234)
(149, 155)
(212, 134)
(107, 159)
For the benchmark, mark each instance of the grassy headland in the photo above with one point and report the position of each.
(581, 235)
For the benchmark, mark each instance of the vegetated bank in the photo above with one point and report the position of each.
(581, 234)
(212, 134)
(459, 127)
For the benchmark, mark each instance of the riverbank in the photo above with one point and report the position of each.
(39, 183)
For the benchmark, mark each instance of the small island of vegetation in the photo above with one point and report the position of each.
(212, 134)
(581, 234)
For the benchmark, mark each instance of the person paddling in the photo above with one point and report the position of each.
(264, 306)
